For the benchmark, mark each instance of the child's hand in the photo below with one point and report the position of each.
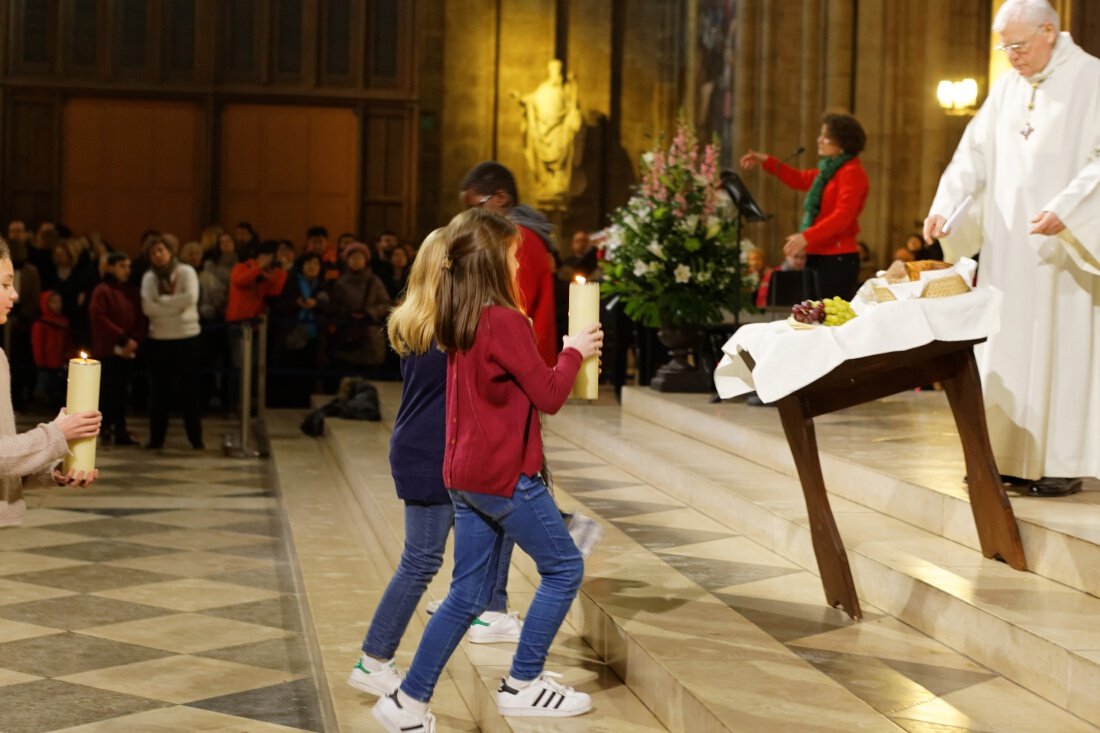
(80, 425)
(589, 341)
(75, 478)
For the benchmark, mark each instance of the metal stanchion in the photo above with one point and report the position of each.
(243, 449)
(261, 370)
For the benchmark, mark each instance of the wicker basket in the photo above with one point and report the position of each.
(945, 287)
(883, 294)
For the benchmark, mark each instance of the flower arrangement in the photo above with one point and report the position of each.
(672, 255)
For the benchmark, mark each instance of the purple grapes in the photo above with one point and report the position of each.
(809, 311)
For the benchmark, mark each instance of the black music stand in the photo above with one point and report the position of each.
(747, 211)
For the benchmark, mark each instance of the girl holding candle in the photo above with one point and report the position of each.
(35, 453)
(416, 461)
(496, 385)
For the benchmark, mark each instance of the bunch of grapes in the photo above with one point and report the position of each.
(809, 311)
(838, 311)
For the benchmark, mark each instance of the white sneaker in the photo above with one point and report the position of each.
(492, 627)
(542, 698)
(375, 677)
(433, 606)
(397, 719)
(13, 514)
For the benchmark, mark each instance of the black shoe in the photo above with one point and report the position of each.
(1050, 486)
(1006, 480)
(153, 446)
(199, 446)
(754, 400)
(125, 439)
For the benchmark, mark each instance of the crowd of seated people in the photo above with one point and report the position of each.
(327, 299)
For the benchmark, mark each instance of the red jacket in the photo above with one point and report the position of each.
(116, 316)
(51, 339)
(837, 224)
(494, 394)
(250, 287)
(536, 284)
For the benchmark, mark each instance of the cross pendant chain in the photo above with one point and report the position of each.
(1027, 130)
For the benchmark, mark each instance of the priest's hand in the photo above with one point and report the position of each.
(795, 244)
(933, 228)
(752, 159)
(80, 479)
(1047, 222)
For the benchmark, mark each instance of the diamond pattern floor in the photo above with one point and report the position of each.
(160, 599)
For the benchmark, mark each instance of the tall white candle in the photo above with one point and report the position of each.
(584, 310)
(83, 395)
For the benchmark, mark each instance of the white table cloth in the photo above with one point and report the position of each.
(787, 360)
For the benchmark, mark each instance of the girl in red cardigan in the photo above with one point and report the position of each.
(497, 384)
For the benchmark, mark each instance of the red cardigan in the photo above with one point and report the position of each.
(536, 284)
(837, 224)
(494, 394)
(249, 289)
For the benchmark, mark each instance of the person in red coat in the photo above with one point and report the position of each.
(118, 327)
(838, 190)
(491, 186)
(52, 346)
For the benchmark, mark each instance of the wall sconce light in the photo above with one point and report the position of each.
(958, 97)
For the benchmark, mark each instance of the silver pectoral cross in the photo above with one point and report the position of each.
(1027, 130)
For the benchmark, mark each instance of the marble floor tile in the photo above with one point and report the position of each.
(9, 677)
(91, 577)
(288, 654)
(69, 705)
(997, 706)
(192, 564)
(13, 631)
(78, 612)
(740, 549)
(33, 537)
(52, 518)
(110, 527)
(184, 633)
(291, 704)
(280, 612)
(199, 518)
(67, 653)
(198, 539)
(179, 719)
(15, 562)
(269, 577)
(189, 594)
(12, 592)
(181, 679)
(663, 538)
(99, 550)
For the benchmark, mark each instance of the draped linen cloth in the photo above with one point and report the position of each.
(1041, 371)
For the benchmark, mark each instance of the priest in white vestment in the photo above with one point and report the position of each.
(1030, 159)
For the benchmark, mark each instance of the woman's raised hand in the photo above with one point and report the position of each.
(752, 159)
(80, 425)
(589, 341)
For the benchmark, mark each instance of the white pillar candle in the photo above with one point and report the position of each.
(584, 310)
(83, 396)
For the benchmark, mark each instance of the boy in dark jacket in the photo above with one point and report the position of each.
(118, 326)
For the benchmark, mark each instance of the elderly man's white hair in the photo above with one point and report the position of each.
(1032, 12)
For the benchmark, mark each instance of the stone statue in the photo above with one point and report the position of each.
(551, 120)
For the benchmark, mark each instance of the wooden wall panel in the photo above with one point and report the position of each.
(130, 166)
(287, 168)
(387, 173)
(31, 154)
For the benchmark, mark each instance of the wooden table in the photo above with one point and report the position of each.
(861, 380)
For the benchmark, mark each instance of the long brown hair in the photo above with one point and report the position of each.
(475, 273)
(411, 323)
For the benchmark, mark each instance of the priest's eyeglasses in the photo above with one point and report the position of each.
(1018, 46)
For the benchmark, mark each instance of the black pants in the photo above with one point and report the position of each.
(836, 274)
(175, 370)
(112, 398)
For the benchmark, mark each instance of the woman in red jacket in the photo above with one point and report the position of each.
(837, 192)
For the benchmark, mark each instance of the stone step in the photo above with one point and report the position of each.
(360, 452)
(680, 649)
(900, 456)
(1036, 632)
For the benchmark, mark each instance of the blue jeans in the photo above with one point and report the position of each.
(426, 530)
(482, 522)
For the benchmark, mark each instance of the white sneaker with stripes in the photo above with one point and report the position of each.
(543, 698)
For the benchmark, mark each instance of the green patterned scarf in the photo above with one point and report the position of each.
(827, 168)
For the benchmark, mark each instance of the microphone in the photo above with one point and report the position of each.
(796, 153)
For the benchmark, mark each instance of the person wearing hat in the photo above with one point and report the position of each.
(358, 306)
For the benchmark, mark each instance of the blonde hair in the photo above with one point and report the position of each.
(412, 323)
(476, 273)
